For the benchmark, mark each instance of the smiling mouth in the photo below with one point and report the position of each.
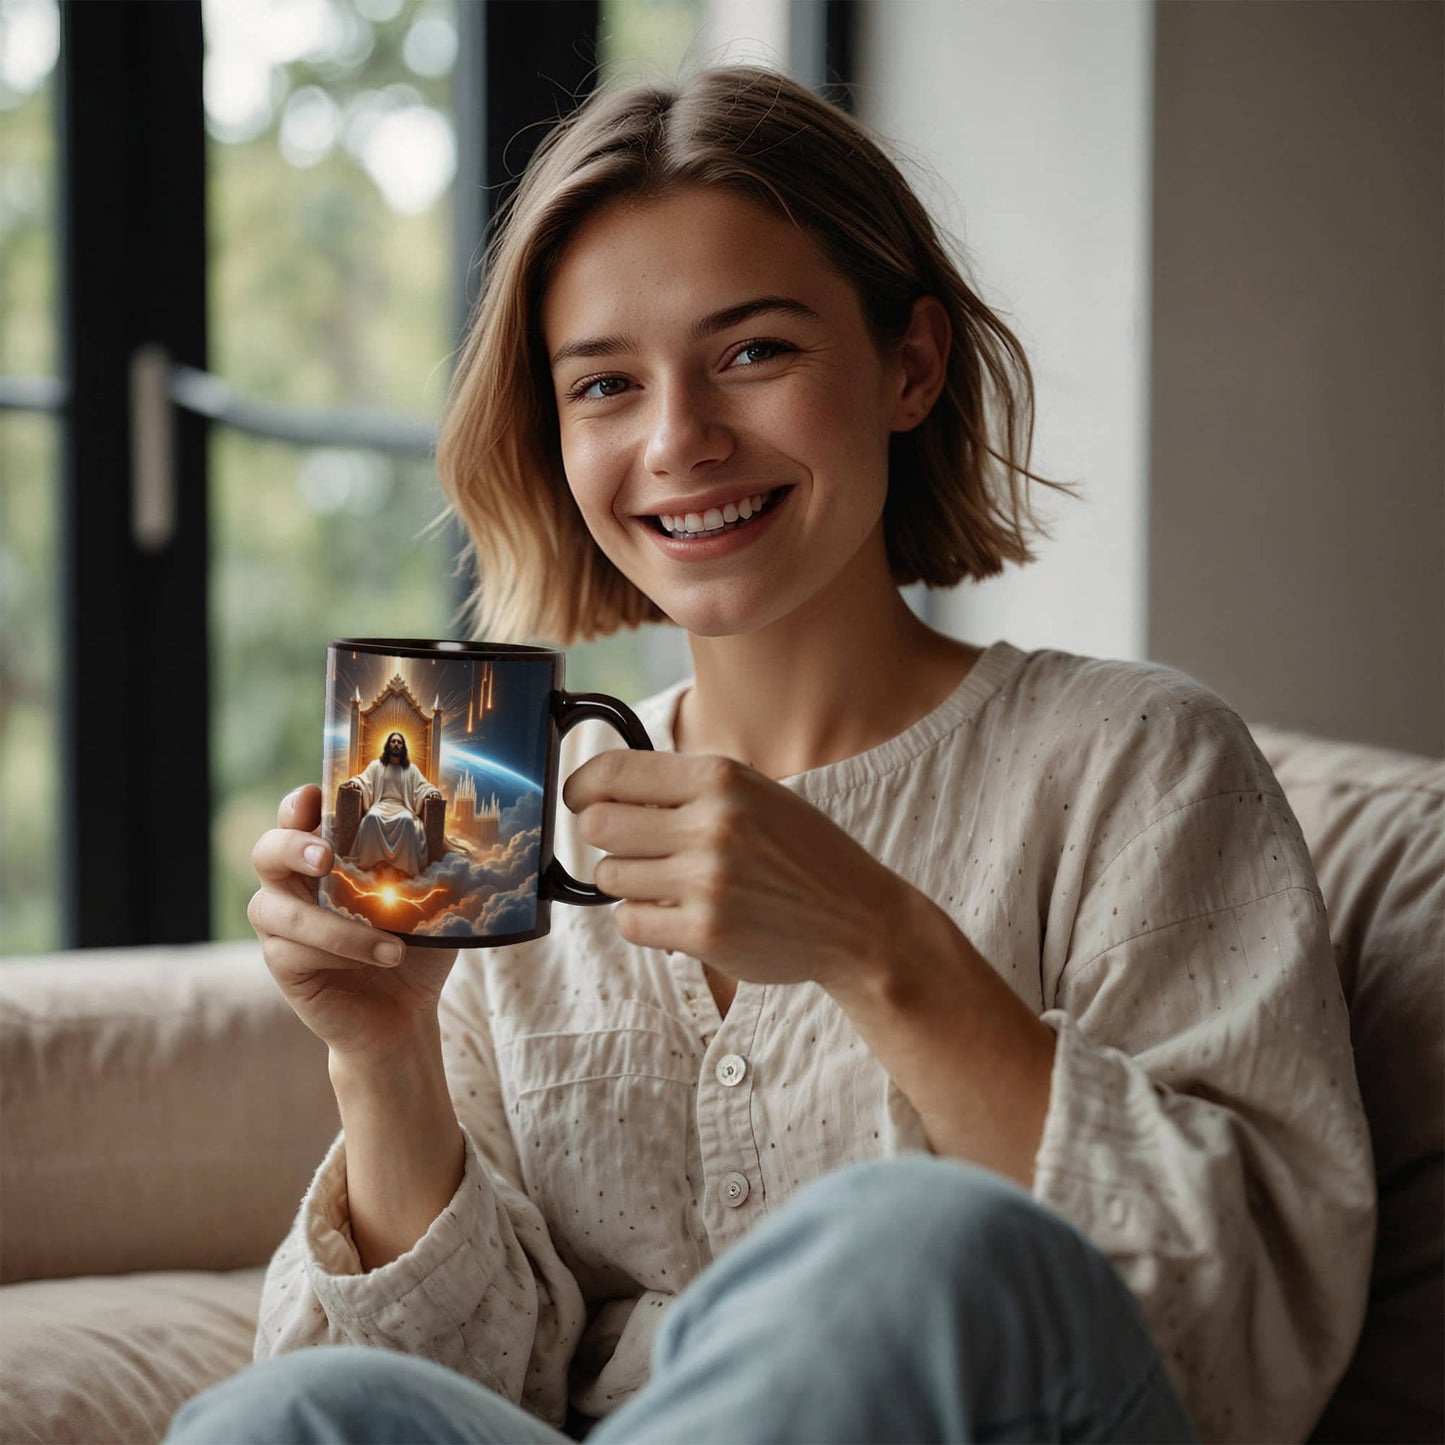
(689, 526)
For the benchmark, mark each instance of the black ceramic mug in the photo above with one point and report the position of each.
(440, 789)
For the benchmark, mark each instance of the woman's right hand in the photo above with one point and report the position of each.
(358, 989)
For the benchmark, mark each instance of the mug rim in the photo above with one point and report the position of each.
(441, 647)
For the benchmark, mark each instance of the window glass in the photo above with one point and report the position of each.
(331, 161)
(30, 638)
(319, 543)
(330, 166)
(658, 39)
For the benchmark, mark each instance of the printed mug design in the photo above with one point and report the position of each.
(434, 775)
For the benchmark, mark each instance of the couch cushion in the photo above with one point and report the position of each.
(111, 1358)
(163, 1109)
(1375, 824)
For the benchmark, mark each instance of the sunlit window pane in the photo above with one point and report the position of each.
(30, 638)
(660, 39)
(331, 162)
(309, 545)
(29, 685)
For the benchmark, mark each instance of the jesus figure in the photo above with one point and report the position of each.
(393, 790)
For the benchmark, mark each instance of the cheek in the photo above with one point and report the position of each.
(593, 475)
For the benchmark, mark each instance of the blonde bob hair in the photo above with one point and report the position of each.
(955, 504)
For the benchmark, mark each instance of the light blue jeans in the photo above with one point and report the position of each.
(901, 1300)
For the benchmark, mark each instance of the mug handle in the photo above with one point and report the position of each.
(569, 709)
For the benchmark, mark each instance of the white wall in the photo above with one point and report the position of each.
(1036, 118)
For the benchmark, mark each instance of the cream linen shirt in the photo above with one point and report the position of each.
(1109, 838)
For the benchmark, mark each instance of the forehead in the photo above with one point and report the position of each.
(664, 261)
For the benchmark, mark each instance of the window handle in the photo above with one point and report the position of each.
(152, 450)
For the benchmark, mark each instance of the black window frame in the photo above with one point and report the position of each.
(135, 698)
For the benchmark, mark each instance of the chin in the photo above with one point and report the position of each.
(725, 619)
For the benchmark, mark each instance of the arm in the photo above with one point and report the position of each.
(417, 1234)
(406, 1153)
(472, 1280)
(971, 1057)
(1202, 1125)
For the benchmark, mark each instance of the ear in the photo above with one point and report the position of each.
(922, 356)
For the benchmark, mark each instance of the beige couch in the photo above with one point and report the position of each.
(163, 1111)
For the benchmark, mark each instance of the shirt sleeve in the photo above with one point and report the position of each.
(1204, 1125)
(482, 1292)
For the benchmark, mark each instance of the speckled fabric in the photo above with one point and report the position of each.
(1109, 837)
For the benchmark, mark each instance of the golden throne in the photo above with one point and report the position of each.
(393, 710)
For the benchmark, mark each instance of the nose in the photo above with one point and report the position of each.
(685, 433)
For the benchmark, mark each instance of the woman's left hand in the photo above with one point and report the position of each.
(717, 861)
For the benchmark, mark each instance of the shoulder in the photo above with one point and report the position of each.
(1151, 780)
(1133, 739)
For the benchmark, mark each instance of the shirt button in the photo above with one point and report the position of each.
(1118, 1211)
(734, 1190)
(731, 1069)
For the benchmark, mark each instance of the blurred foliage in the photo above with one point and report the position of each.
(646, 40)
(321, 294)
(29, 544)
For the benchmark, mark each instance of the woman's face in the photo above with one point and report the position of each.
(705, 355)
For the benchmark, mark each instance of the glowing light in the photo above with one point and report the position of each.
(388, 895)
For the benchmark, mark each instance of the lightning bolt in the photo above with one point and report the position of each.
(377, 893)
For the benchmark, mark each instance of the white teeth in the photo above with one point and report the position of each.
(713, 519)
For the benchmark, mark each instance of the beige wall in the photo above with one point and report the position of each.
(1296, 530)
(1025, 127)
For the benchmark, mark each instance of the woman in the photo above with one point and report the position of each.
(886, 896)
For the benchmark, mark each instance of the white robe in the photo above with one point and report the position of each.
(391, 828)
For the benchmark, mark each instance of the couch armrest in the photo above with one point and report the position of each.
(162, 1109)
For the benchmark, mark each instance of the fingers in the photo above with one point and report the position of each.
(282, 853)
(637, 832)
(637, 878)
(298, 937)
(664, 779)
(300, 808)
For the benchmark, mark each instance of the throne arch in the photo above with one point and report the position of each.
(395, 709)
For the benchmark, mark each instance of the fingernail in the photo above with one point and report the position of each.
(389, 952)
(315, 855)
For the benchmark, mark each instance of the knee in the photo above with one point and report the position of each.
(936, 1225)
(307, 1395)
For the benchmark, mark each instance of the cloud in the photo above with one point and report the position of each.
(510, 912)
(514, 911)
(525, 813)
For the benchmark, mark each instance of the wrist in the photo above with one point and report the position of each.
(890, 971)
(397, 1068)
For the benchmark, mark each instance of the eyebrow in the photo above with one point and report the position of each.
(705, 326)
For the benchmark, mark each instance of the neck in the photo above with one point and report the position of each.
(850, 669)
